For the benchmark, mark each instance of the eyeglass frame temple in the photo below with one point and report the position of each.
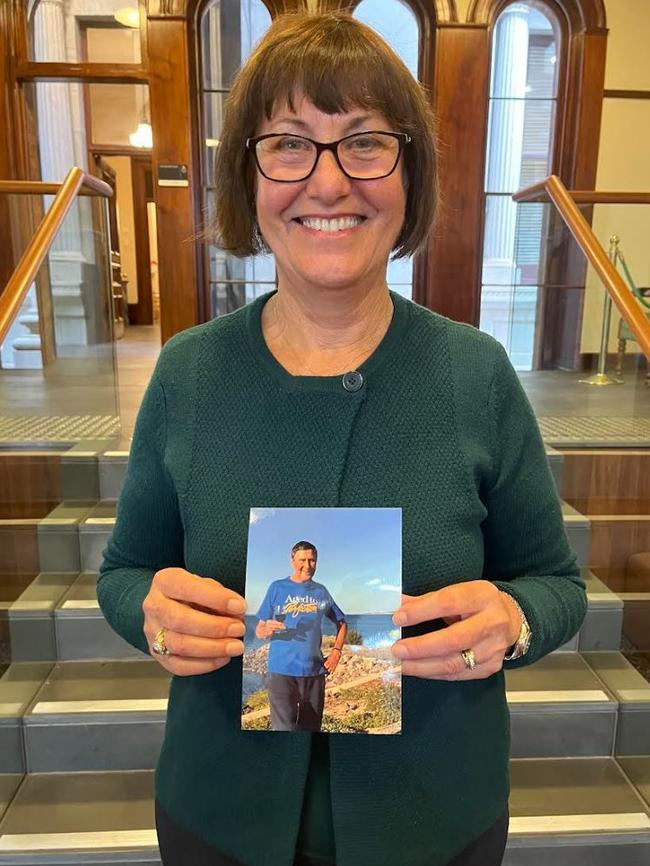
(403, 139)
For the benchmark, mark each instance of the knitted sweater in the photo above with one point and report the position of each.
(441, 428)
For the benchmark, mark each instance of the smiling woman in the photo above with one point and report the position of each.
(333, 392)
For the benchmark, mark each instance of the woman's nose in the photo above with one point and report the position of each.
(327, 179)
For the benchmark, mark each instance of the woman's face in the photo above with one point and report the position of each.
(308, 258)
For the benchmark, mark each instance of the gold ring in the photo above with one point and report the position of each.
(158, 646)
(469, 658)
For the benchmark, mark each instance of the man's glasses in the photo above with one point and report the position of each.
(362, 156)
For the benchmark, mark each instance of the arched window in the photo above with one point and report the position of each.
(396, 22)
(228, 30)
(522, 114)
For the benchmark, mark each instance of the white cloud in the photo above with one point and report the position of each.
(387, 587)
(373, 582)
(258, 514)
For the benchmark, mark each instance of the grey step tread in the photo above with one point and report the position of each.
(44, 592)
(637, 768)
(578, 787)
(621, 678)
(549, 799)
(81, 596)
(9, 783)
(558, 678)
(18, 686)
(83, 811)
(108, 686)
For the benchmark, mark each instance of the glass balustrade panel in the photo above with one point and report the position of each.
(58, 361)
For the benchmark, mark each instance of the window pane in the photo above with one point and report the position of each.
(228, 297)
(524, 55)
(521, 121)
(229, 30)
(116, 112)
(395, 21)
(67, 33)
(213, 108)
(520, 134)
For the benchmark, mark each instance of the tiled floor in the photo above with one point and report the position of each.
(82, 397)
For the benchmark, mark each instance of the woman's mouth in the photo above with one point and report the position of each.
(336, 226)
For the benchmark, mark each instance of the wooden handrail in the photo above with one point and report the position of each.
(91, 186)
(538, 193)
(31, 260)
(552, 189)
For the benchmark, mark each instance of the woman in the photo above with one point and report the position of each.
(332, 391)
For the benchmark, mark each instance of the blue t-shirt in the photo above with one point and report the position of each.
(296, 652)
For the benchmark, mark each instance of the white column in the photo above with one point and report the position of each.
(57, 156)
(506, 137)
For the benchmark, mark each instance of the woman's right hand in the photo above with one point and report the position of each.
(203, 621)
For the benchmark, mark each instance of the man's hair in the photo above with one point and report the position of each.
(339, 64)
(303, 545)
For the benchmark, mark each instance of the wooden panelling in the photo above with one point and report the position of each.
(116, 73)
(30, 484)
(6, 156)
(607, 482)
(448, 273)
(18, 547)
(614, 538)
(172, 130)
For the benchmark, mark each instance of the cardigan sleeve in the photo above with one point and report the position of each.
(148, 533)
(526, 550)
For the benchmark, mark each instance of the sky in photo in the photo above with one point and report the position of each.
(359, 554)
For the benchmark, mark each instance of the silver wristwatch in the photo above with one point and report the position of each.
(525, 634)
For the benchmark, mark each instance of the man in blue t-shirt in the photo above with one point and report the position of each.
(291, 615)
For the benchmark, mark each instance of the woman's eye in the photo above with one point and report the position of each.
(366, 145)
(290, 144)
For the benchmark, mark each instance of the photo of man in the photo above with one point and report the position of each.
(291, 618)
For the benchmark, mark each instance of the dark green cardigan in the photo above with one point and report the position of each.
(441, 428)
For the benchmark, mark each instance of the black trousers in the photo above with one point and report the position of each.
(296, 702)
(178, 847)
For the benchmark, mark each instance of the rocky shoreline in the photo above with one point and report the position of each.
(362, 695)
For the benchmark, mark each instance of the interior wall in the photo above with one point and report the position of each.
(623, 159)
(122, 168)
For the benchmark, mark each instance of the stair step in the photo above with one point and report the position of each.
(632, 691)
(576, 812)
(571, 812)
(81, 818)
(603, 623)
(18, 686)
(81, 630)
(578, 530)
(74, 618)
(559, 707)
(97, 716)
(31, 616)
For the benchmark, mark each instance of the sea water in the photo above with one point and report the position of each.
(376, 629)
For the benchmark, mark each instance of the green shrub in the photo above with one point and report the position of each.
(354, 637)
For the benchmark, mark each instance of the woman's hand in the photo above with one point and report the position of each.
(202, 621)
(480, 617)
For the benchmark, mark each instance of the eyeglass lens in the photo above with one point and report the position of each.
(363, 156)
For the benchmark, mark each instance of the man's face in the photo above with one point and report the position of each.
(304, 565)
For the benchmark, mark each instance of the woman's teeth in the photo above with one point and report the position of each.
(333, 225)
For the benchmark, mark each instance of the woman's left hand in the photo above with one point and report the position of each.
(482, 619)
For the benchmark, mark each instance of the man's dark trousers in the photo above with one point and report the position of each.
(296, 702)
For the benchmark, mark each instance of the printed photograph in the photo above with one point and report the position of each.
(322, 585)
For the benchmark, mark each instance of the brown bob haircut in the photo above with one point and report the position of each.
(339, 64)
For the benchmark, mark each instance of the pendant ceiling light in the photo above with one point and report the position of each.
(129, 16)
(142, 137)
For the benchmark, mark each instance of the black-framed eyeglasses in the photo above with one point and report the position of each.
(368, 155)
